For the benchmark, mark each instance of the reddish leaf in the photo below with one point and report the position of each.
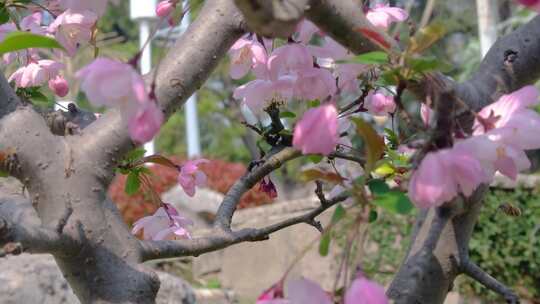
(315, 174)
(375, 37)
(160, 160)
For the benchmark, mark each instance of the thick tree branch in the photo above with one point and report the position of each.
(183, 71)
(8, 100)
(220, 238)
(19, 224)
(228, 206)
(344, 20)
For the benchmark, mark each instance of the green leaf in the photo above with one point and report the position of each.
(133, 183)
(4, 14)
(373, 215)
(427, 36)
(135, 154)
(378, 186)
(287, 114)
(392, 137)
(370, 58)
(16, 41)
(324, 244)
(394, 201)
(315, 158)
(374, 144)
(314, 103)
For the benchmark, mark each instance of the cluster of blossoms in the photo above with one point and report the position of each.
(106, 82)
(307, 69)
(502, 133)
(361, 291)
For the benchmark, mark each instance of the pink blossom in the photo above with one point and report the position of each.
(145, 123)
(532, 4)
(273, 295)
(267, 186)
(165, 224)
(108, 82)
(288, 59)
(510, 121)
(259, 94)
(36, 73)
(317, 131)
(306, 291)
(305, 31)
(72, 28)
(165, 8)
(315, 83)
(96, 6)
(426, 114)
(245, 55)
(191, 176)
(59, 86)
(380, 104)
(364, 291)
(382, 15)
(432, 184)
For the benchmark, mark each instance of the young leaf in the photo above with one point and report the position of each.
(374, 144)
(370, 58)
(378, 186)
(394, 201)
(16, 41)
(426, 37)
(315, 174)
(133, 183)
(315, 158)
(135, 154)
(160, 160)
(324, 244)
(287, 114)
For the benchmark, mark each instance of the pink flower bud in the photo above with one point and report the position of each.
(59, 86)
(165, 8)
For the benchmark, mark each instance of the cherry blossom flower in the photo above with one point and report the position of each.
(96, 6)
(305, 31)
(72, 28)
(431, 184)
(426, 114)
(317, 131)
(36, 73)
(165, 8)
(259, 94)
(191, 176)
(289, 59)
(245, 55)
(165, 224)
(380, 104)
(267, 186)
(299, 291)
(532, 4)
(364, 291)
(145, 123)
(382, 15)
(59, 86)
(315, 83)
(108, 82)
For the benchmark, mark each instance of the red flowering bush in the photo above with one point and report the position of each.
(221, 176)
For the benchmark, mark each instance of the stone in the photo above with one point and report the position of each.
(36, 279)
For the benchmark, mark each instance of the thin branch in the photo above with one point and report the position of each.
(228, 206)
(220, 239)
(478, 274)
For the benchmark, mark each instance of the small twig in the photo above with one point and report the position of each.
(478, 274)
(319, 192)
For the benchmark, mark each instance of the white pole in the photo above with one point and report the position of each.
(192, 121)
(146, 65)
(488, 16)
